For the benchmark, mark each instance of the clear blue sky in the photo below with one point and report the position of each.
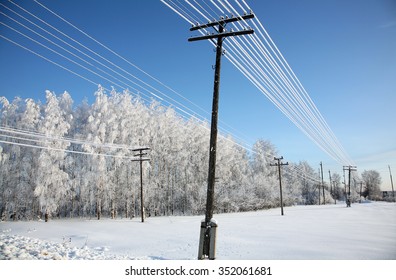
(343, 52)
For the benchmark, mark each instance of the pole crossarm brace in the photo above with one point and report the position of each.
(352, 168)
(140, 149)
(223, 21)
(222, 35)
(141, 159)
(141, 154)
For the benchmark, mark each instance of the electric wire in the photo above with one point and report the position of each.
(65, 139)
(49, 60)
(122, 58)
(268, 155)
(306, 96)
(326, 145)
(286, 92)
(150, 76)
(234, 10)
(330, 145)
(73, 152)
(183, 111)
(58, 64)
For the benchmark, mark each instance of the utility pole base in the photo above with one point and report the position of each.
(348, 202)
(207, 240)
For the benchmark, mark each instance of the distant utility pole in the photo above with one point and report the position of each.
(208, 227)
(345, 188)
(319, 185)
(332, 189)
(141, 159)
(393, 192)
(321, 174)
(349, 168)
(279, 164)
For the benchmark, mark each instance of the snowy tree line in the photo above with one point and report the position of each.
(38, 177)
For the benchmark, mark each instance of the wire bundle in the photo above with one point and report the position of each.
(257, 57)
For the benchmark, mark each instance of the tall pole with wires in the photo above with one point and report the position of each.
(141, 159)
(279, 164)
(332, 188)
(390, 174)
(322, 182)
(348, 194)
(208, 226)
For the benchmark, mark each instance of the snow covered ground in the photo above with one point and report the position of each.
(365, 231)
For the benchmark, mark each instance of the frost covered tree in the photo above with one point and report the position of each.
(233, 176)
(372, 182)
(96, 176)
(15, 181)
(337, 192)
(305, 182)
(28, 162)
(4, 171)
(52, 180)
(265, 177)
(96, 132)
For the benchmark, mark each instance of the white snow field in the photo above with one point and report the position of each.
(364, 231)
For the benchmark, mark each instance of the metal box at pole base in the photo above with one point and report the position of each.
(348, 202)
(207, 240)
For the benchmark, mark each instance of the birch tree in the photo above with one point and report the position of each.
(52, 180)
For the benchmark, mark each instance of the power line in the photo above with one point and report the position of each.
(184, 112)
(69, 151)
(36, 137)
(297, 105)
(225, 138)
(124, 59)
(64, 139)
(315, 137)
(47, 59)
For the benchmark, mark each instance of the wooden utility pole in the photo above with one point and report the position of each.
(332, 189)
(141, 159)
(321, 174)
(279, 164)
(208, 226)
(345, 188)
(390, 174)
(319, 186)
(349, 168)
